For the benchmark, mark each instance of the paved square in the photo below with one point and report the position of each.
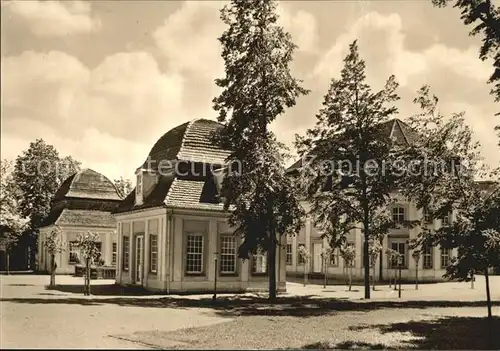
(311, 316)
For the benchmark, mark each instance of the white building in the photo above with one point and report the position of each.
(432, 264)
(82, 203)
(172, 225)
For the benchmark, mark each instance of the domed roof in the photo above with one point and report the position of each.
(189, 141)
(87, 184)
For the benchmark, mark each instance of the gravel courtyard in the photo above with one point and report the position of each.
(442, 316)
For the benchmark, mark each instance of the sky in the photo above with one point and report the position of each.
(103, 80)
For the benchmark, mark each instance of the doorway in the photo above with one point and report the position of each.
(317, 261)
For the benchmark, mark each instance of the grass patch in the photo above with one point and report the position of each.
(387, 329)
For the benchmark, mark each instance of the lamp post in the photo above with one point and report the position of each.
(216, 258)
(400, 261)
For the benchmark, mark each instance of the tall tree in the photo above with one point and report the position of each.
(53, 245)
(67, 166)
(12, 224)
(347, 174)
(485, 18)
(38, 173)
(123, 186)
(87, 243)
(256, 89)
(446, 166)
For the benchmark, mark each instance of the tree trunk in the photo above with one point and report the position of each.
(52, 270)
(472, 282)
(395, 279)
(389, 277)
(325, 272)
(7, 262)
(85, 282)
(380, 267)
(488, 303)
(416, 277)
(305, 274)
(272, 266)
(488, 296)
(87, 276)
(373, 280)
(366, 258)
(350, 277)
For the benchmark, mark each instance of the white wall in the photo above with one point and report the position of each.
(107, 236)
(309, 235)
(172, 247)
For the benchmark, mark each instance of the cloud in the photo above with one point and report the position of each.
(188, 41)
(480, 119)
(56, 18)
(302, 27)
(43, 85)
(129, 97)
(382, 44)
(124, 92)
(189, 37)
(111, 156)
(105, 114)
(456, 76)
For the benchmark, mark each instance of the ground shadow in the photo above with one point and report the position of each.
(346, 345)
(241, 305)
(102, 290)
(451, 333)
(20, 284)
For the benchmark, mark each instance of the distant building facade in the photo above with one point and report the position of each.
(431, 265)
(172, 227)
(83, 203)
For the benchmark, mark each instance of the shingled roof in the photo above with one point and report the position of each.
(87, 184)
(394, 128)
(85, 218)
(191, 142)
(86, 198)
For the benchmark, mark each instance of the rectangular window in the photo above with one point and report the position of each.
(401, 248)
(125, 246)
(153, 244)
(427, 254)
(153, 253)
(352, 263)
(289, 254)
(114, 250)
(446, 220)
(445, 257)
(194, 254)
(398, 215)
(259, 263)
(138, 187)
(126, 253)
(301, 258)
(228, 254)
(427, 216)
(334, 258)
(74, 253)
(98, 246)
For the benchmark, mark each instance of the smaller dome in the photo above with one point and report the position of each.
(87, 184)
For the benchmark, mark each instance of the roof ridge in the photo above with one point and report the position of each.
(59, 216)
(392, 127)
(183, 141)
(398, 121)
(167, 198)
